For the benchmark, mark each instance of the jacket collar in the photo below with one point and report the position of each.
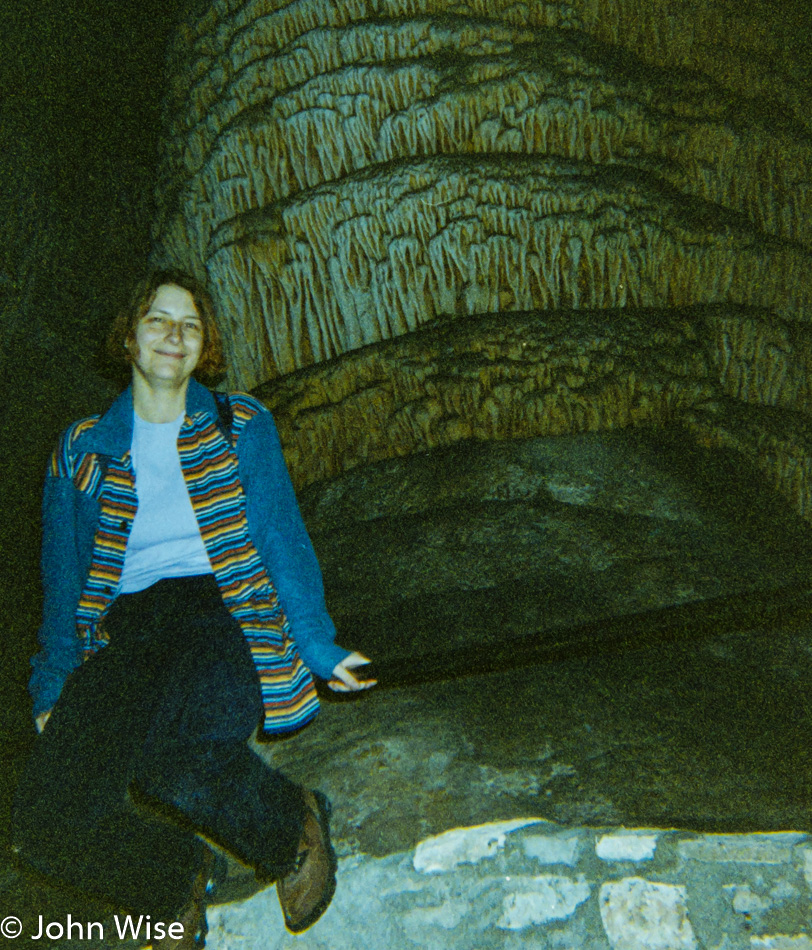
(113, 433)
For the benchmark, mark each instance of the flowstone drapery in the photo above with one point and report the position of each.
(444, 178)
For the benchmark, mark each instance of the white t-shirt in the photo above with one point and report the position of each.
(165, 539)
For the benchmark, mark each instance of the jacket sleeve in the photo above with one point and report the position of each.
(279, 533)
(62, 576)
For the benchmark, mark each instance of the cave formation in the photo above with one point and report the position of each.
(508, 275)
(574, 216)
(526, 287)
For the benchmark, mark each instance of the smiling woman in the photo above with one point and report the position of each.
(160, 299)
(166, 350)
(177, 565)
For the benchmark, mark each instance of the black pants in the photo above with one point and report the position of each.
(145, 748)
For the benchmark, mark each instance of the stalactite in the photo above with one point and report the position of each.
(349, 173)
(357, 116)
(489, 252)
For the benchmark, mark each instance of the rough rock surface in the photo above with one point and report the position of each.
(612, 753)
(338, 269)
(347, 173)
(732, 377)
(747, 47)
(545, 374)
(483, 543)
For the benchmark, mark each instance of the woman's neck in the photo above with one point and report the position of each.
(158, 403)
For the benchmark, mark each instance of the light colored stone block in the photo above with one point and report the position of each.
(746, 849)
(643, 915)
(464, 845)
(745, 900)
(784, 890)
(553, 849)
(627, 847)
(538, 900)
(781, 942)
(807, 865)
(447, 916)
(243, 924)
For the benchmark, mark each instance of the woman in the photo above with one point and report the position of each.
(175, 562)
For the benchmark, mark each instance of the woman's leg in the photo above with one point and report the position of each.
(74, 820)
(197, 767)
(196, 764)
(146, 748)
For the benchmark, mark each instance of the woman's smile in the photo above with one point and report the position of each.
(168, 338)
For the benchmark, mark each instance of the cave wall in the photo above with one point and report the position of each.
(426, 221)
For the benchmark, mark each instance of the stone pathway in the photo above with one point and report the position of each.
(533, 883)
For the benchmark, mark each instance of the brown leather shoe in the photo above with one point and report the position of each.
(305, 891)
(193, 916)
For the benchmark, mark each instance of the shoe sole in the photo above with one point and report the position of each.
(323, 818)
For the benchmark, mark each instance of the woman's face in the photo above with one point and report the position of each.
(168, 338)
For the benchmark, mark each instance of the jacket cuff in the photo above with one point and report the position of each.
(45, 686)
(321, 660)
(46, 693)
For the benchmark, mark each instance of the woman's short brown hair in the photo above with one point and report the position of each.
(121, 339)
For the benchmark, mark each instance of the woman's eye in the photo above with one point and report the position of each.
(191, 325)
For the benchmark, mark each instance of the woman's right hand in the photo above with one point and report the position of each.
(41, 719)
(343, 680)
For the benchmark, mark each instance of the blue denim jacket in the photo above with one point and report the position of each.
(70, 519)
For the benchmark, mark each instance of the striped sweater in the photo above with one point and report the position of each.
(250, 525)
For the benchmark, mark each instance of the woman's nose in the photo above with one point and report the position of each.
(173, 331)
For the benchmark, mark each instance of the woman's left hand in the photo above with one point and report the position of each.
(343, 681)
